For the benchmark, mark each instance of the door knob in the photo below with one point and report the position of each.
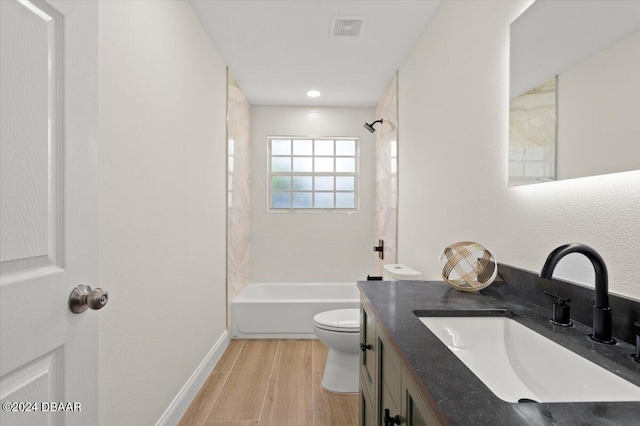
(82, 298)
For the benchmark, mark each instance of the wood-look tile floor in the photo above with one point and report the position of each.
(270, 382)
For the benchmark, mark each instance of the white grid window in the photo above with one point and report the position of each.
(312, 174)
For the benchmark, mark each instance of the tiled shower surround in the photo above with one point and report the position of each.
(386, 175)
(239, 187)
(532, 135)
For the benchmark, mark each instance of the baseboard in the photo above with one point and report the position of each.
(274, 335)
(183, 399)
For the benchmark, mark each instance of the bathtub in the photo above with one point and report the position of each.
(286, 310)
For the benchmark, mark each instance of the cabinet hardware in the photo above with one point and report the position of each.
(365, 347)
(390, 421)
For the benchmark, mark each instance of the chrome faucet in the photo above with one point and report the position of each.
(601, 310)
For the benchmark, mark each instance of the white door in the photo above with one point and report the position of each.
(48, 221)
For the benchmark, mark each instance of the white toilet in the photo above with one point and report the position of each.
(340, 331)
(399, 272)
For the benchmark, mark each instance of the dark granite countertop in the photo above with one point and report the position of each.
(460, 395)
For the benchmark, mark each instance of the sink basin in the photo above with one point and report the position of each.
(520, 365)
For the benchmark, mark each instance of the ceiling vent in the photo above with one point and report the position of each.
(347, 26)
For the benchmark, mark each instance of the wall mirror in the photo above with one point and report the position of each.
(574, 90)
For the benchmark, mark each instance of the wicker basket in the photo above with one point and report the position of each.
(468, 266)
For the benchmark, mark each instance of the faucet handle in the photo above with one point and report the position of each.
(561, 311)
(561, 299)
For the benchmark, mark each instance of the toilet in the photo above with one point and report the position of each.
(400, 272)
(339, 330)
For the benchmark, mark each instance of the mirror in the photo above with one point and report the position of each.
(574, 90)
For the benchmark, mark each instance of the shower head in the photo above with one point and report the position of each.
(369, 127)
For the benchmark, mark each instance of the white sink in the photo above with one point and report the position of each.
(517, 363)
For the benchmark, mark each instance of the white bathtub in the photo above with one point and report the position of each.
(275, 310)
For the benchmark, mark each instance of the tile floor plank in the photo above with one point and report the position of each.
(229, 356)
(244, 391)
(199, 409)
(270, 382)
(290, 395)
(320, 352)
(332, 408)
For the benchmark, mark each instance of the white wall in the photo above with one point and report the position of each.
(454, 106)
(309, 247)
(599, 112)
(162, 99)
(552, 36)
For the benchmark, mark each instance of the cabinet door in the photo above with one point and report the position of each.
(388, 406)
(415, 411)
(390, 380)
(368, 355)
(367, 411)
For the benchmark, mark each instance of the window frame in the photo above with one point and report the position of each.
(329, 210)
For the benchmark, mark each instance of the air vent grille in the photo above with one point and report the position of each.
(347, 26)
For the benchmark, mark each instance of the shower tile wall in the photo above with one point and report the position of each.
(532, 135)
(386, 174)
(239, 186)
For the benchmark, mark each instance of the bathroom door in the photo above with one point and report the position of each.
(48, 219)
(386, 190)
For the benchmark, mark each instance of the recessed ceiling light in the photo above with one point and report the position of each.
(313, 93)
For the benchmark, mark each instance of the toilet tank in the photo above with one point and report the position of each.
(399, 272)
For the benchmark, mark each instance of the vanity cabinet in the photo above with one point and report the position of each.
(368, 368)
(414, 410)
(388, 394)
(390, 380)
(367, 411)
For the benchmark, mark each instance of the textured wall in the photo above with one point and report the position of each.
(162, 101)
(454, 102)
(307, 247)
(239, 214)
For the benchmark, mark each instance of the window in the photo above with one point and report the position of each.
(312, 175)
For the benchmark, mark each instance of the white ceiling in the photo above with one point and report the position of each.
(278, 50)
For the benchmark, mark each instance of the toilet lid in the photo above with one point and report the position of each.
(343, 320)
(401, 272)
